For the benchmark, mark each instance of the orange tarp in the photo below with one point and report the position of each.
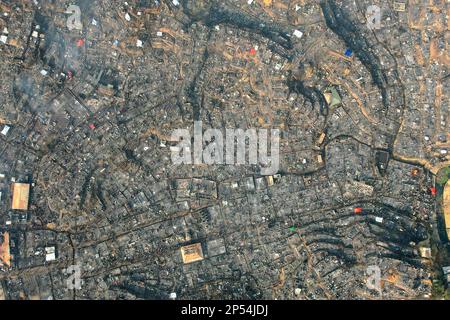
(5, 256)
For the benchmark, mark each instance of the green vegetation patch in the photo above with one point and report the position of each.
(443, 176)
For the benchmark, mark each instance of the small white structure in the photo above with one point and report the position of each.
(298, 34)
(5, 130)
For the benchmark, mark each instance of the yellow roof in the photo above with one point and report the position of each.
(447, 207)
(21, 194)
(192, 253)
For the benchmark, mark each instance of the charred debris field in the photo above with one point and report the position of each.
(96, 93)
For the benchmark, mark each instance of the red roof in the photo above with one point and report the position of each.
(433, 191)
